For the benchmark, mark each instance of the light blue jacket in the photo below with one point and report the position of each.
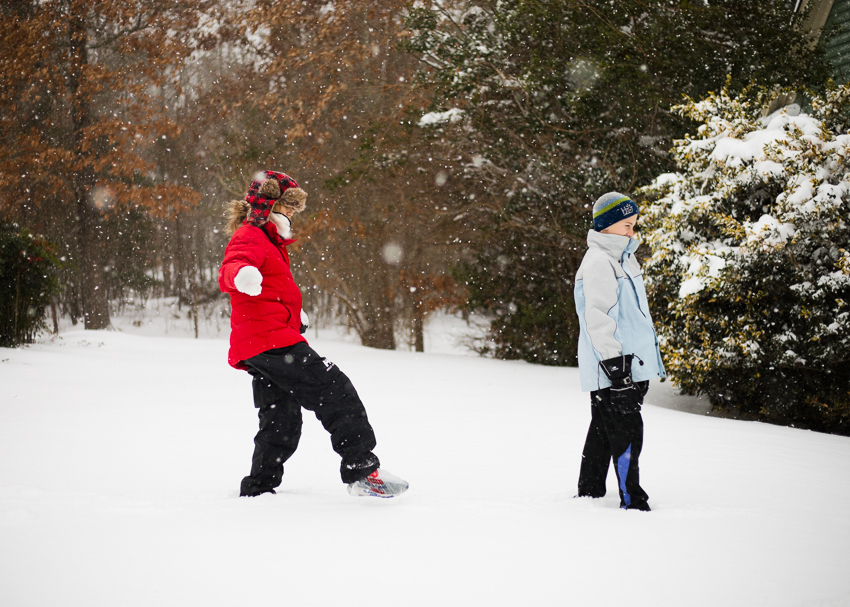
(613, 312)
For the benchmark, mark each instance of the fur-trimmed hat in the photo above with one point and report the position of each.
(611, 208)
(271, 189)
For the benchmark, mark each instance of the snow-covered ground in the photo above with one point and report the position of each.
(121, 456)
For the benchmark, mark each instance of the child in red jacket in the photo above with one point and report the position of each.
(266, 339)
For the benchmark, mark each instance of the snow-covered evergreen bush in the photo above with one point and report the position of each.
(750, 267)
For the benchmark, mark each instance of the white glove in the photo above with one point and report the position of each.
(305, 321)
(248, 280)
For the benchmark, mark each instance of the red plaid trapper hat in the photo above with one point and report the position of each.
(261, 203)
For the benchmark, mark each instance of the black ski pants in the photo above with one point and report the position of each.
(615, 433)
(287, 379)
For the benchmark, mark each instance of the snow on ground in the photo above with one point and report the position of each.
(121, 456)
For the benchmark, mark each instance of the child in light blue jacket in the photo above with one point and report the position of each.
(617, 352)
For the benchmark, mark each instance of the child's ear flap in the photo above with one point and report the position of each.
(295, 198)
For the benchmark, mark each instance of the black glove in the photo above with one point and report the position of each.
(626, 396)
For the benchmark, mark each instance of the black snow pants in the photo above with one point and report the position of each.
(614, 433)
(287, 379)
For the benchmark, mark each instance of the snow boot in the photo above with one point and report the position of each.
(378, 484)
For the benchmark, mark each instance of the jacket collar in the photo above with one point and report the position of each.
(612, 245)
(270, 229)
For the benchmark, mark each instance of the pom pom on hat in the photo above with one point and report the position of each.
(270, 188)
(273, 188)
(611, 208)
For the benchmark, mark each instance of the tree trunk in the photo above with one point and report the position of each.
(179, 262)
(93, 295)
(378, 312)
(195, 308)
(381, 333)
(54, 312)
(418, 326)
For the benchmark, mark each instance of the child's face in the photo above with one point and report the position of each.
(624, 227)
(288, 211)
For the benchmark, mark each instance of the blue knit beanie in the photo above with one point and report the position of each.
(611, 208)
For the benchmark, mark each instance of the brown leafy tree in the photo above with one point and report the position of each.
(332, 104)
(80, 108)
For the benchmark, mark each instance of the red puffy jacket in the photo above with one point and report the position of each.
(271, 319)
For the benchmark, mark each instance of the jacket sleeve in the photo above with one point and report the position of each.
(601, 296)
(244, 249)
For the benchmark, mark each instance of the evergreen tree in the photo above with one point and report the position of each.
(540, 107)
(28, 270)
